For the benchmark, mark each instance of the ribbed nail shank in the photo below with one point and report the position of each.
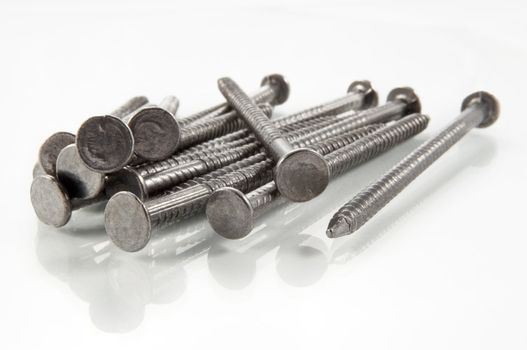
(290, 162)
(131, 225)
(274, 89)
(479, 109)
(232, 214)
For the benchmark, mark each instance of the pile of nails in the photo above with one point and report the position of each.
(233, 160)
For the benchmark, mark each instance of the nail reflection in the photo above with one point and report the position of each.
(302, 257)
(119, 285)
(302, 261)
(475, 151)
(233, 264)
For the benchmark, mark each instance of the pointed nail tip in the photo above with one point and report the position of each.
(329, 233)
(338, 228)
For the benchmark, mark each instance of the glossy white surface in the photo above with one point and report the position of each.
(443, 266)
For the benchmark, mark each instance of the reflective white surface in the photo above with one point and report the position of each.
(442, 266)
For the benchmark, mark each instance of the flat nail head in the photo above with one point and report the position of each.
(76, 177)
(301, 175)
(156, 133)
(127, 222)
(280, 84)
(489, 101)
(50, 149)
(408, 96)
(371, 98)
(50, 201)
(38, 170)
(105, 143)
(229, 213)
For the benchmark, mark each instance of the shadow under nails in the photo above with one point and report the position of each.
(86, 222)
(111, 314)
(118, 285)
(230, 267)
(301, 259)
(473, 151)
(233, 263)
(95, 208)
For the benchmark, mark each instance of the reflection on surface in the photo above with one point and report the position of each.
(302, 261)
(118, 285)
(302, 258)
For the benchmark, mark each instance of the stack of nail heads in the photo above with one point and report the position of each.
(233, 160)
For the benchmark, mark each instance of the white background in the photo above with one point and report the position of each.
(443, 266)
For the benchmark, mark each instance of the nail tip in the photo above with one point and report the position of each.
(338, 227)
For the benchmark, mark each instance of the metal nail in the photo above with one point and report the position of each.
(132, 231)
(155, 129)
(274, 89)
(51, 201)
(232, 214)
(50, 149)
(105, 143)
(129, 179)
(479, 109)
(80, 181)
(129, 222)
(360, 95)
(290, 162)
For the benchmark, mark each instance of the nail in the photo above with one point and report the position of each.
(360, 95)
(479, 109)
(51, 201)
(80, 181)
(232, 214)
(155, 129)
(274, 89)
(50, 149)
(105, 143)
(290, 162)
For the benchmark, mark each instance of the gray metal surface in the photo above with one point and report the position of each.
(170, 103)
(397, 105)
(341, 155)
(153, 178)
(190, 198)
(297, 129)
(273, 89)
(51, 201)
(80, 181)
(153, 133)
(50, 149)
(215, 127)
(156, 130)
(129, 179)
(289, 160)
(479, 109)
(38, 170)
(106, 143)
(360, 95)
(168, 209)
